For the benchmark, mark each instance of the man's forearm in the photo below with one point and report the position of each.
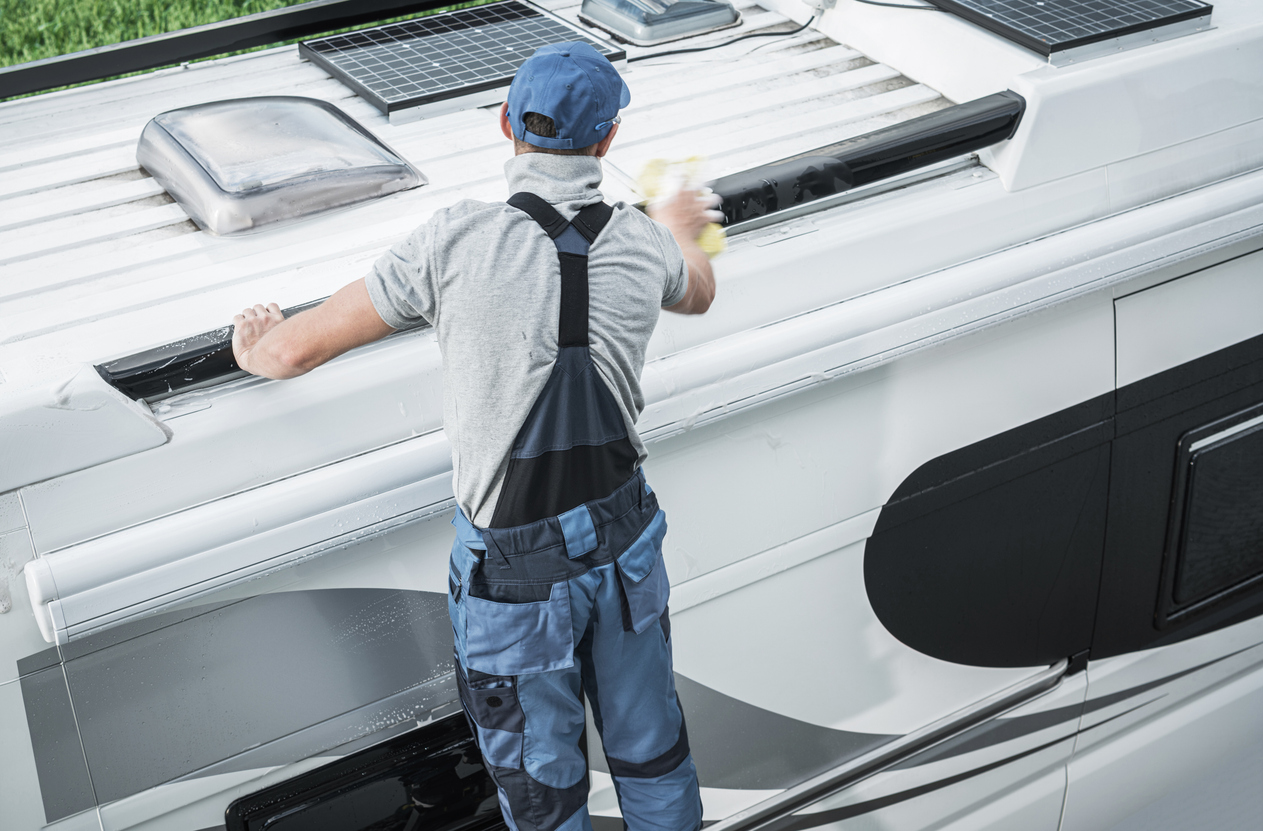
(281, 353)
(275, 348)
(701, 288)
(685, 215)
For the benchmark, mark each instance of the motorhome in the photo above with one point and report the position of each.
(963, 469)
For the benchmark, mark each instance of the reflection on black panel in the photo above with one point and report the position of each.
(431, 779)
(1221, 541)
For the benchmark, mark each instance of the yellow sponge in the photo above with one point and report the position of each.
(662, 179)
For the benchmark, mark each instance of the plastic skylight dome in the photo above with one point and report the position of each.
(650, 22)
(250, 163)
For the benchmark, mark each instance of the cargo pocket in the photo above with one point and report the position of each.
(491, 702)
(518, 638)
(644, 577)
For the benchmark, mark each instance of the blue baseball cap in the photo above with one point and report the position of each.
(575, 86)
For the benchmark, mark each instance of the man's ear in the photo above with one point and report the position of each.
(603, 146)
(505, 126)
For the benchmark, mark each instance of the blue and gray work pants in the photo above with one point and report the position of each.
(598, 625)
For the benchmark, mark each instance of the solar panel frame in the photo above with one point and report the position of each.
(427, 60)
(1008, 18)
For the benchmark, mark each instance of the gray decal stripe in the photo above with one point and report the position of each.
(40, 660)
(794, 823)
(1106, 700)
(738, 745)
(64, 783)
(348, 732)
(797, 822)
(1008, 729)
(1128, 711)
(272, 676)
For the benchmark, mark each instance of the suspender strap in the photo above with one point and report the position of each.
(540, 211)
(572, 325)
(591, 220)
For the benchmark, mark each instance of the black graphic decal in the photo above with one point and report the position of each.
(1065, 534)
(991, 559)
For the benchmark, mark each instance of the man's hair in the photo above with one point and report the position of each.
(543, 126)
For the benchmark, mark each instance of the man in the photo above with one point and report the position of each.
(543, 308)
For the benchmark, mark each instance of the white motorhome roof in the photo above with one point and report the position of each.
(98, 262)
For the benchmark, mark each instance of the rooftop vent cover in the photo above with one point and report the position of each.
(650, 22)
(443, 62)
(1067, 31)
(249, 163)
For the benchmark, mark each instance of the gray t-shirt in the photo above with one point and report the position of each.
(486, 277)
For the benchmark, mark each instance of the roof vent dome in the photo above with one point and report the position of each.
(249, 163)
(650, 22)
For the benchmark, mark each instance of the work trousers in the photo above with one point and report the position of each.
(523, 668)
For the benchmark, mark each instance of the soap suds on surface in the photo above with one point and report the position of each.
(61, 398)
(10, 570)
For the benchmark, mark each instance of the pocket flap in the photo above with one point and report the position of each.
(518, 638)
(643, 577)
(640, 558)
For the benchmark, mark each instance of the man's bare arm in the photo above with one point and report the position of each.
(685, 215)
(266, 343)
(701, 290)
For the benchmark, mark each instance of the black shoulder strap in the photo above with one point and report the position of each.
(572, 326)
(546, 215)
(591, 220)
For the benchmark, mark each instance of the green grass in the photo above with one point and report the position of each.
(35, 29)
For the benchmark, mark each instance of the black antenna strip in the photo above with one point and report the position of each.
(918, 142)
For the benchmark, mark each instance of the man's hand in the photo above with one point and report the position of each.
(266, 343)
(249, 327)
(685, 215)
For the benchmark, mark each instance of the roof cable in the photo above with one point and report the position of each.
(899, 5)
(776, 34)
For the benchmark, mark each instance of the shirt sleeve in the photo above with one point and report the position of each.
(677, 282)
(401, 282)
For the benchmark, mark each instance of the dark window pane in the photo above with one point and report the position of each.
(1222, 540)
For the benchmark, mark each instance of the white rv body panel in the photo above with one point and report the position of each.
(1188, 318)
(1187, 754)
(210, 601)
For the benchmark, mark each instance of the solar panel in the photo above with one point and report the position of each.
(1055, 27)
(420, 67)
